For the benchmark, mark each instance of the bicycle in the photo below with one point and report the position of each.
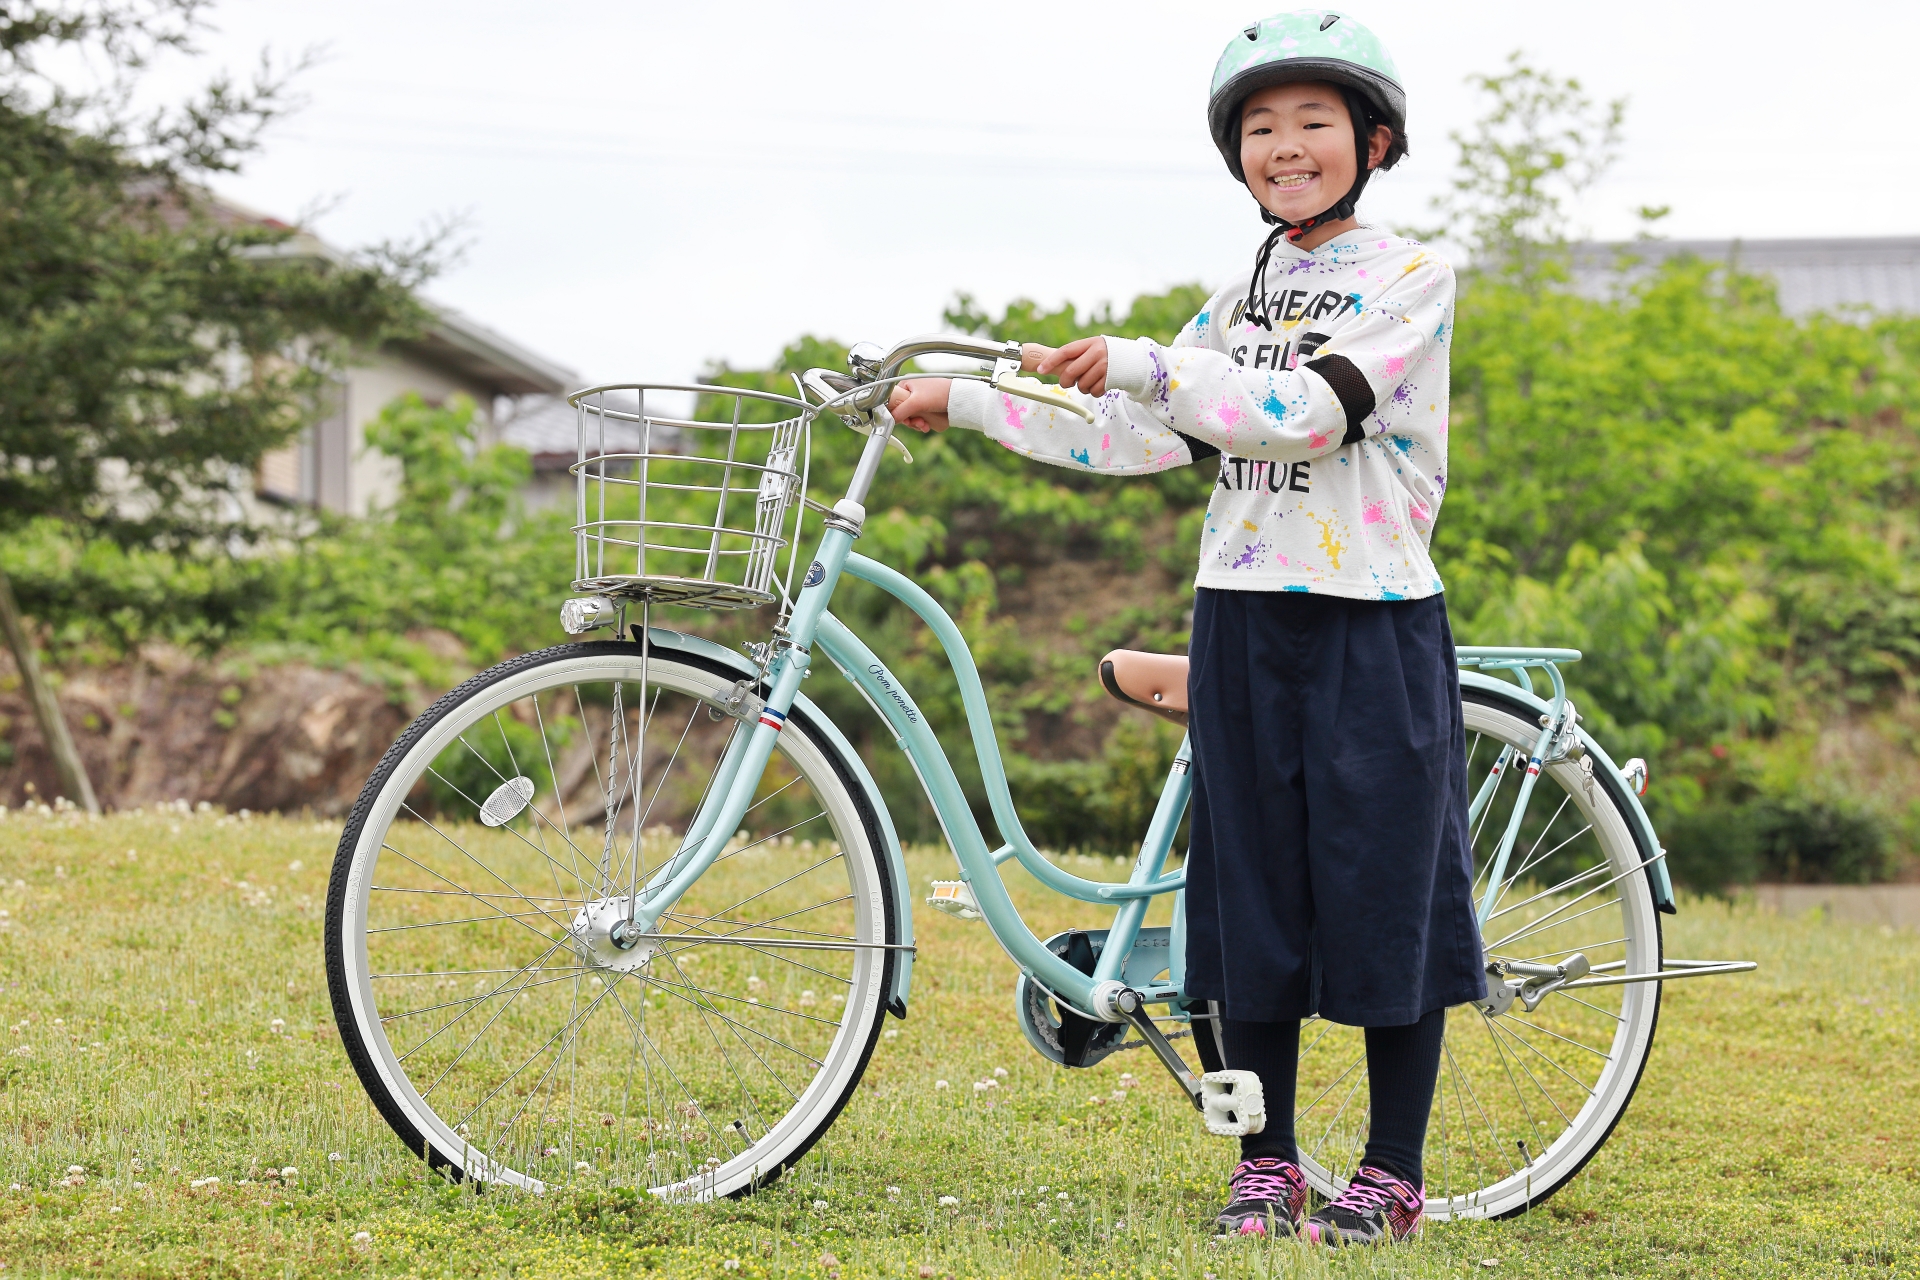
(553, 933)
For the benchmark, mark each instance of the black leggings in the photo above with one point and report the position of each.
(1402, 1065)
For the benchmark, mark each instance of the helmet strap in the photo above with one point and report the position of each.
(1345, 208)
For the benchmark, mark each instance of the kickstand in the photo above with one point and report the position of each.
(1169, 1056)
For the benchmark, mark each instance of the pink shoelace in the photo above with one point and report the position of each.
(1376, 1193)
(1251, 1182)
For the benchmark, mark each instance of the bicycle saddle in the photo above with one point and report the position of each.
(1155, 682)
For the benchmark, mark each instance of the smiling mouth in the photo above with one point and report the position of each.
(1291, 181)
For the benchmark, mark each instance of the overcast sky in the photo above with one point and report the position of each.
(652, 186)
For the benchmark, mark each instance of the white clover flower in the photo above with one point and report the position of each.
(363, 1238)
(981, 1086)
(334, 1157)
(550, 1151)
(1118, 1095)
(891, 1033)
(114, 1209)
(278, 1026)
(731, 1264)
(940, 1084)
(1063, 1197)
(947, 1202)
(1000, 1073)
(819, 1204)
(289, 1173)
(76, 1168)
(1042, 1191)
(581, 1166)
(893, 1193)
(806, 998)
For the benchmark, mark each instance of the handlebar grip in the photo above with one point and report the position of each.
(1041, 393)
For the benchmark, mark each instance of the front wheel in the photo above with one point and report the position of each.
(501, 1019)
(1525, 1097)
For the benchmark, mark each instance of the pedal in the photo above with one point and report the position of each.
(955, 897)
(1233, 1103)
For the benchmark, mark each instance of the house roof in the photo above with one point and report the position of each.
(1881, 273)
(454, 341)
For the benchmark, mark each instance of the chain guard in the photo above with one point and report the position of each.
(1069, 1039)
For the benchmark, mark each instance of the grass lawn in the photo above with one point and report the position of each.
(161, 979)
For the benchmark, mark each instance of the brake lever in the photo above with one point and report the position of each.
(1006, 377)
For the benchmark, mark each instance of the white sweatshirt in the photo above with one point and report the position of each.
(1331, 428)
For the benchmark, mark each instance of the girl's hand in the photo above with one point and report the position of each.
(921, 403)
(1082, 363)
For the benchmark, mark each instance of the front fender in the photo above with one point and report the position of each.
(661, 638)
(1649, 843)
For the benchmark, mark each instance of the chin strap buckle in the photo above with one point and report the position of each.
(1233, 1103)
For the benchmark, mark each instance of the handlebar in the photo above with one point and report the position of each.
(951, 344)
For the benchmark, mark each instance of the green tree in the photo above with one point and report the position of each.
(150, 351)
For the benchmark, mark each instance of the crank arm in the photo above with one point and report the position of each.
(1129, 1004)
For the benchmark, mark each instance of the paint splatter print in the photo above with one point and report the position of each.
(1331, 429)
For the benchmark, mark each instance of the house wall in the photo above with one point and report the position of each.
(330, 465)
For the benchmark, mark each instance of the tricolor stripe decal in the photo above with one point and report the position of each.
(772, 719)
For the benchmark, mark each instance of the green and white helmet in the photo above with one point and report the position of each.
(1307, 44)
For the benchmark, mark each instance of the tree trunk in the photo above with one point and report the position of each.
(46, 708)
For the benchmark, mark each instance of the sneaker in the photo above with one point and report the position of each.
(1268, 1195)
(1376, 1208)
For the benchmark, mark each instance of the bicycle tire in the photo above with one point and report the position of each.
(412, 763)
(1476, 1166)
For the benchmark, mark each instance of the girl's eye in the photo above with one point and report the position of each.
(1257, 132)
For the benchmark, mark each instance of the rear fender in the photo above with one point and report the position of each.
(1609, 774)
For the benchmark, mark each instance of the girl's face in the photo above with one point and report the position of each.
(1296, 146)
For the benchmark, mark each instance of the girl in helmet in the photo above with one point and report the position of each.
(1329, 870)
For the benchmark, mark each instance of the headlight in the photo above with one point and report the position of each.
(587, 613)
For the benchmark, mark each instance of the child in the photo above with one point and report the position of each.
(1329, 869)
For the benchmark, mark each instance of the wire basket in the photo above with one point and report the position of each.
(688, 510)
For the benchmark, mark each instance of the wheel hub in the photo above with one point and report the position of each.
(606, 938)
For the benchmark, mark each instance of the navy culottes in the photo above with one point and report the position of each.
(1329, 870)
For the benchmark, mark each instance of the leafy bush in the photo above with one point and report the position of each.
(1790, 839)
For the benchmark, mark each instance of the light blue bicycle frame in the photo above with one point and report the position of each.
(738, 773)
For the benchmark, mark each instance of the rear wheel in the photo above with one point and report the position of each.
(1525, 1098)
(479, 890)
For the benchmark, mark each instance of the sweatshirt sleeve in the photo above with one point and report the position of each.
(1125, 437)
(1294, 415)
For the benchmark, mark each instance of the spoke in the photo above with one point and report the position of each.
(1508, 1023)
(711, 994)
(436, 924)
(508, 829)
(1522, 1064)
(461, 893)
(1533, 855)
(1567, 951)
(464, 1049)
(640, 825)
(674, 990)
(1512, 1030)
(1353, 1066)
(1519, 1095)
(508, 885)
(1548, 922)
(753, 1103)
(559, 801)
(1326, 1030)
(770, 888)
(389, 1018)
(511, 891)
(1597, 869)
(1493, 1133)
(1596, 1008)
